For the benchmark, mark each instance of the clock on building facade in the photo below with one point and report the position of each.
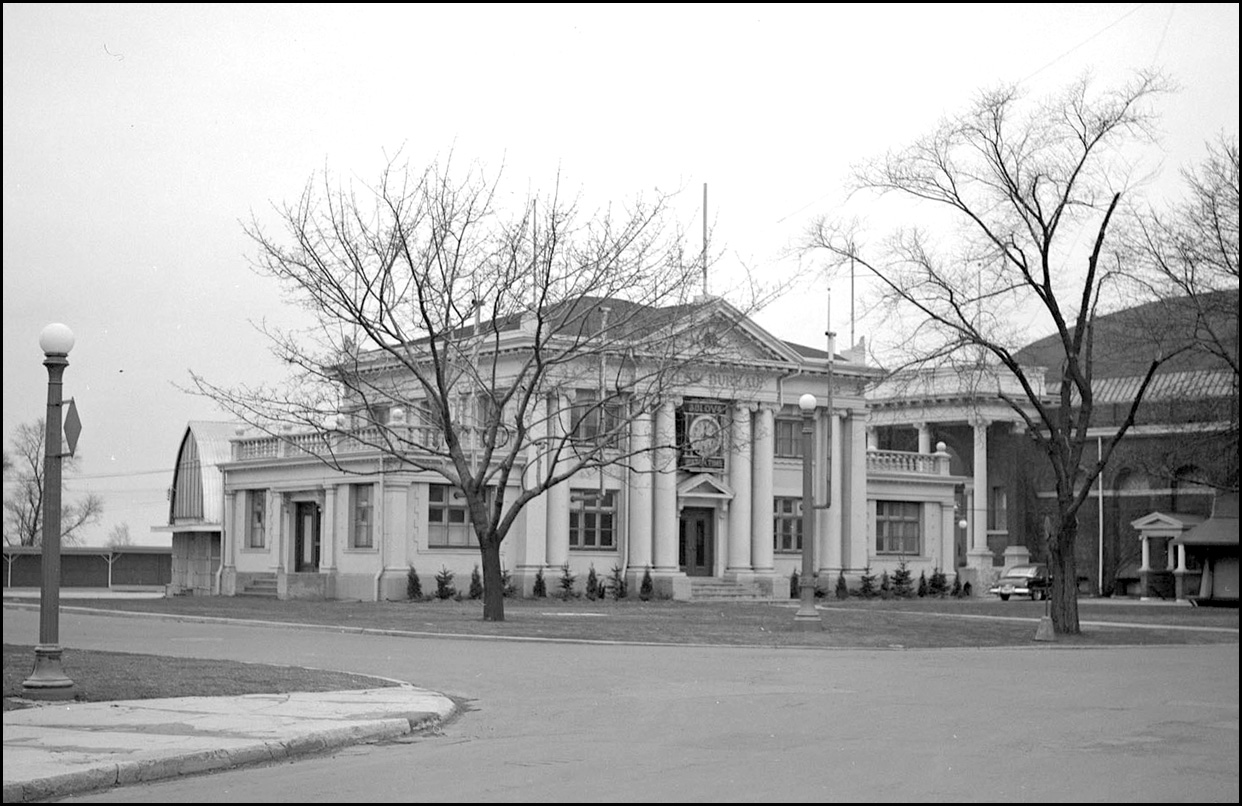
(701, 434)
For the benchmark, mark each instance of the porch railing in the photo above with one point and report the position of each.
(924, 464)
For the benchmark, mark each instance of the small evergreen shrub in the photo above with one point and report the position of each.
(794, 592)
(866, 587)
(646, 588)
(507, 587)
(957, 586)
(593, 590)
(937, 585)
(903, 581)
(444, 584)
(966, 592)
(843, 590)
(541, 587)
(476, 583)
(922, 584)
(616, 582)
(886, 586)
(413, 585)
(567, 583)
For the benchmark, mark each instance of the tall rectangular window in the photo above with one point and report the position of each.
(788, 438)
(592, 519)
(448, 521)
(787, 530)
(256, 516)
(898, 527)
(361, 535)
(596, 422)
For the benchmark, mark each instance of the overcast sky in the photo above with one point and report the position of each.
(136, 138)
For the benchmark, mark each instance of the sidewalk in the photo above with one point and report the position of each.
(60, 749)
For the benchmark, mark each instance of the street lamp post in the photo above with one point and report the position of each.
(48, 680)
(807, 617)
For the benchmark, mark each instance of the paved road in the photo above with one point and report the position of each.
(558, 722)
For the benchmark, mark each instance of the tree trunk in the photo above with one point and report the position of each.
(493, 584)
(1064, 570)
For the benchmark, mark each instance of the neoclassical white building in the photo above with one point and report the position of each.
(714, 503)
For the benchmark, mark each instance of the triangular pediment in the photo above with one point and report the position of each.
(704, 485)
(1160, 522)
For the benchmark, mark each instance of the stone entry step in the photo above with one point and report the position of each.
(712, 589)
(260, 586)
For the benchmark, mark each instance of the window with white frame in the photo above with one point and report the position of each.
(898, 527)
(788, 438)
(592, 519)
(448, 519)
(596, 421)
(256, 517)
(361, 535)
(787, 529)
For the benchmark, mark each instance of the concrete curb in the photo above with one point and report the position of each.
(54, 751)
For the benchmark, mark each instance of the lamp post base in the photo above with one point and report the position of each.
(47, 680)
(807, 618)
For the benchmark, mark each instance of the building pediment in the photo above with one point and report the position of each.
(1160, 522)
(704, 485)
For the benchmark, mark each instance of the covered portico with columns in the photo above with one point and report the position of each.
(967, 412)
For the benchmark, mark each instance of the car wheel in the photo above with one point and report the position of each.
(1004, 597)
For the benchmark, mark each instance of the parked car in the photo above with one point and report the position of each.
(1023, 580)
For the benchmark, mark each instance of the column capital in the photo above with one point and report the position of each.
(749, 406)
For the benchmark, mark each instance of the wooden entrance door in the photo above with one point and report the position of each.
(697, 541)
(306, 537)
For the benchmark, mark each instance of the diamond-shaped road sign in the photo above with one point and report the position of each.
(73, 427)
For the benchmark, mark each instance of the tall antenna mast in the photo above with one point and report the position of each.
(704, 257)
(831, 338)
(853, 341)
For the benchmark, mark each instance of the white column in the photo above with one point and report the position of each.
(274, 531)
(640, 494)
(856, 473)
(978, 556)
(1169, 555)
(831, 556)
(739, 479)
(1181, 557)
(925, 443)
(233, 530)
(873, 439)
(665, 514)
(532, 551)
(327, 531)
(558, 496)
(761, 512)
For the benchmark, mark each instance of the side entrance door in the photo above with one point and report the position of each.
(306, 537)
(697, 541)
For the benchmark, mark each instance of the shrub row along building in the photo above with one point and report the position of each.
(931, 469)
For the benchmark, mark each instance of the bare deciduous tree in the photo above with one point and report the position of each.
(1030, 194)
(1192, 253)
(23, 503)
(505, 348)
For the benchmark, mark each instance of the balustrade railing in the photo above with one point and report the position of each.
(316, 443)
(929, 464)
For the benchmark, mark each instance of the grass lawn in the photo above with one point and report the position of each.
(877, 624)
